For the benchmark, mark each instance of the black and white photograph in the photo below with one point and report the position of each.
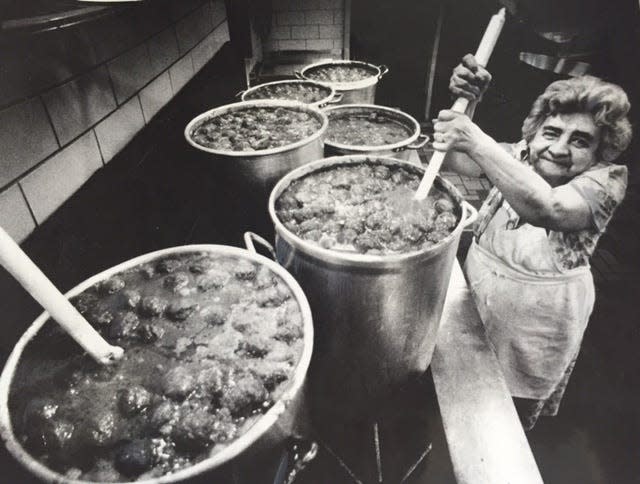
(320, 241)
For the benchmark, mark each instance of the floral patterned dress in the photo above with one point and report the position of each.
(534, 290)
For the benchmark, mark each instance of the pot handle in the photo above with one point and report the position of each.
(298, 74)
(240, 93)
(337, 97)
(383, 70)
(250, 238)
(422, 140)
(295, 457)
(472, 214)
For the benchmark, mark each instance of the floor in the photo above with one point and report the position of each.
(153, 196)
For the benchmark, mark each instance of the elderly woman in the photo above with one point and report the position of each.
(554, 193)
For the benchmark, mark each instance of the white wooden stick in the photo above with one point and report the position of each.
(482, 56)
(20, 266)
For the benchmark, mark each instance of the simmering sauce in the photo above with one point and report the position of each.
(365, 129)
(255, 128)
(210, 342)
(292, 91)
(366, 208)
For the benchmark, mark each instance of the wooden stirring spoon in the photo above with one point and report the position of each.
(25, 271)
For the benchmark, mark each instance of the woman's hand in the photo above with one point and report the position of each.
(469, 79)
(456, 132)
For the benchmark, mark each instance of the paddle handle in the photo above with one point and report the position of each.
(487, 43)
(20, 266)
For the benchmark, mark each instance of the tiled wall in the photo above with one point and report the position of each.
(315, 25)
(70, 100)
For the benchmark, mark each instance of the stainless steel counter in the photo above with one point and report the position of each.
(486, 441)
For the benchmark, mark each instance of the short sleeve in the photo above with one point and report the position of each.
(603, 188)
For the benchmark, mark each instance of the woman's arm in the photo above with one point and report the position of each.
(559, 208)
(469, 80)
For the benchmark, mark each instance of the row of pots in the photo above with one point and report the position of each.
(375, 316)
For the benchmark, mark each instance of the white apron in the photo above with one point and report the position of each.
(534, 313)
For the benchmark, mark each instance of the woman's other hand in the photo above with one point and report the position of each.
(469, 79)
(456, 132)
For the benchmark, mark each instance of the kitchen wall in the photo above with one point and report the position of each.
(311, 25)
(71, 99)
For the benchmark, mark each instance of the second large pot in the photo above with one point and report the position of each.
(261, 168)
(401, 149)
(376, 316)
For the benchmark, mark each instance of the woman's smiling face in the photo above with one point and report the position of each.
(564, 146)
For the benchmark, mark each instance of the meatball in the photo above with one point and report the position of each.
(99, 317)
(124, 325)
(215, 315)
(110, 286)
(85, 302)
(244, 394)
(443, 205)
(134, 400)
(179, 382)
(129, 299)
(254, 346)
(273, 296)
(288, 332)
(245, 270)
(100, 429)
(194, 428)
(167, 266)
(148, 333)
(445, 221)
(164, 416)
(181, 310)
(135, 457)
(176, 281)
(201, 265)
(152, 306)
(214, 279)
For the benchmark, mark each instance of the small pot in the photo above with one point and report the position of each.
(269, 436)
(362, 91)
(400, 150)
(262, 168)
(331, 97)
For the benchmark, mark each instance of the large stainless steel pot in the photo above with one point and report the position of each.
(401, 150)
(363, 91)
(266, 437)
(262, 168)
(330, 94)
(376, 316)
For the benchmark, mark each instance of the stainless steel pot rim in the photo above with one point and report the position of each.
(346, 86)
(232, 450)
(257, 103)
(410, 122)
(307, 82)
(398, 261)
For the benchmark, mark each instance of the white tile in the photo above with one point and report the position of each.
(330, 32)
(219, 12)
(319, 44)
(49, 185)
(26, 138)
(203, 52)
(221, 33)
(129, 72)
(119, 128)
(15, 217)
(163, 50)
(79, 104)
(304, 32)
(193, 28)
(181, 72)
(154, 96)
(319, 17)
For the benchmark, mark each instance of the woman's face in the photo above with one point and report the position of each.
(564, 146)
